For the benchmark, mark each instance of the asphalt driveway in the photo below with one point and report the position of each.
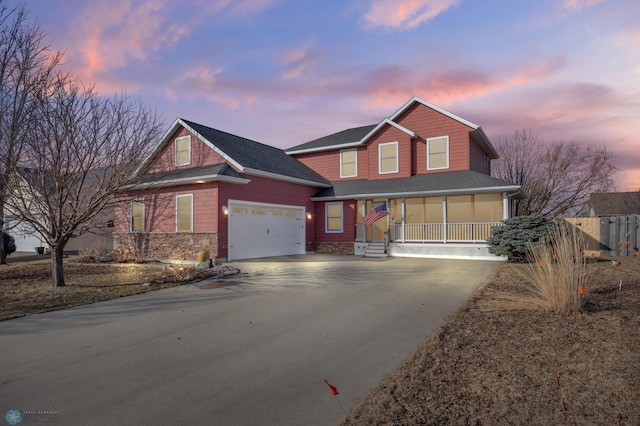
(251, 349)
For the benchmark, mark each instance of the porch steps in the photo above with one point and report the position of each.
(376, 249)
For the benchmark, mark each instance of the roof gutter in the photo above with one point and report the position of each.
(274, 176)
(186, 181)
(486, 190)
(323, 148)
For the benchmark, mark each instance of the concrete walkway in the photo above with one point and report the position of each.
(254, 351)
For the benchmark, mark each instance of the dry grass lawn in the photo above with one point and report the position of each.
(26, 287)
(488, 367)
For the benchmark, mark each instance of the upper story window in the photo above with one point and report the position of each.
(184, 213)
(438, 153)
(137, 216)
(333, 217)
(388, 157)
(183, 150)
(349, 163)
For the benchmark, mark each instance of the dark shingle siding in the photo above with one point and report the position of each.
(346, 136)
(255, 155)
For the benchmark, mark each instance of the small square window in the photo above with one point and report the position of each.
(388, 157)
(349, 163)
(438, 153)
(183, 150)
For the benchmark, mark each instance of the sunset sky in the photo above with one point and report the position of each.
(284, 72)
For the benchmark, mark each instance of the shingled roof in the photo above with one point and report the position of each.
(461, 182)
(614, 203)
(256, 156)
(340, 139)
(248, 157)
(359, 135)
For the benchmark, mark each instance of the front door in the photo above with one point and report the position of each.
(376, 232)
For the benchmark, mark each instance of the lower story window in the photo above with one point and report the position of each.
(333, 217)
(184, 213)
(137, 216)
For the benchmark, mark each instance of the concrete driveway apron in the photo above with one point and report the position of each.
(253, 348)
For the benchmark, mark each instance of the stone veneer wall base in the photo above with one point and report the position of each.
(171, 246)
(334, 248)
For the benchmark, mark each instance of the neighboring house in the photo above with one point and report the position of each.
(28, 239)
(206, 190)
(603, 204)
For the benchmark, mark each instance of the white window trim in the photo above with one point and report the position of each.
(342, 175)
(326, 218)
(380, 158)
(447, 153)
(137, 200)
(191, 213)
(188, 137)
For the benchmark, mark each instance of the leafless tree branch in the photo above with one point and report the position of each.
(556, 179)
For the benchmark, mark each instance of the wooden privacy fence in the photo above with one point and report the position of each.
(609, 236)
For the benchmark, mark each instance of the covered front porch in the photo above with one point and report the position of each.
(448, 226)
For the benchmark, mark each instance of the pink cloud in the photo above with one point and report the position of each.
(116, 32)
(200, 78)
(405, 13)
(299, 61)
(112, 34)
(579, 4)
(390, 86)
(246, 7)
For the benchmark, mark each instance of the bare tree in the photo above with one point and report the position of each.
(80, 152)
(556, 179)
(26, 66)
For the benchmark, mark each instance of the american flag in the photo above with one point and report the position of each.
(375, 214)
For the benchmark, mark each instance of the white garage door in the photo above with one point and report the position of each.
(263, 230)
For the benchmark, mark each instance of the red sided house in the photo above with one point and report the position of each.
(203, 189)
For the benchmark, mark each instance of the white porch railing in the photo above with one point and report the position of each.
(472, 232)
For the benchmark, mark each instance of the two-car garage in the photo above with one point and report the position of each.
(263, 230)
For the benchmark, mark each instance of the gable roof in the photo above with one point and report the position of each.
(446, 183)
(247, 156)
(614, 203)
(340, 140)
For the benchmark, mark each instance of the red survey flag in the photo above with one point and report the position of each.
(333, 389)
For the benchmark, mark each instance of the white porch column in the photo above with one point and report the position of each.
(364, 213)
(444, 218)
(505, 206)
(402, 227)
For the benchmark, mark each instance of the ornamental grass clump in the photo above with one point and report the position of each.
(555, 277)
